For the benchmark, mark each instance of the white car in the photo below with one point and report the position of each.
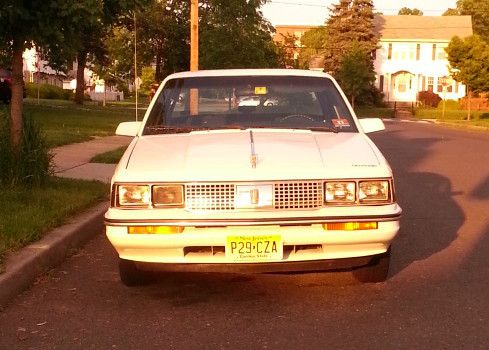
(207, 186)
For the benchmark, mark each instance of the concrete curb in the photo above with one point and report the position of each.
(23, 267)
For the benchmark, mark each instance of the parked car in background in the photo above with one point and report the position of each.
(207, 185)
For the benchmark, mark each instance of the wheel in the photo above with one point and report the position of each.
(131, 276)
(376, 271)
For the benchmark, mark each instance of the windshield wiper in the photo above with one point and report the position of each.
(164, 129)
(324, 128)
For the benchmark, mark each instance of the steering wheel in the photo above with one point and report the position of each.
(295, 116)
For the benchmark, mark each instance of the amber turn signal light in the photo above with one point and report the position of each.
(350, 226)
(154, 229)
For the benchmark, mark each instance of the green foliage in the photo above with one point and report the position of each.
(350, 23)
(450, 105)
(27, 213)
(234, 34)
(410, 12)
(469, 59)
(484, 116)
(31, 166)
(314, 41)
(47, 91)
(355, 74)
(148, 78)
(479, 11)
(451, 12)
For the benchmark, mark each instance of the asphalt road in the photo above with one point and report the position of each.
(437, 296)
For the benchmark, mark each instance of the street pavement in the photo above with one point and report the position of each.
(437, 296)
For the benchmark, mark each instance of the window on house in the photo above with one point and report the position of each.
(442, 55)
(418, 50)
(430, 83)
(450, 88)
(433, 52)
(381, 83)
(389, 52)
(456, 87)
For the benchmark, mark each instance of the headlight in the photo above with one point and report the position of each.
(340, 192)
(133, 195)
(374, 191)
(168, 196)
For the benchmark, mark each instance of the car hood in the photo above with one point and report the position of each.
(226, 155)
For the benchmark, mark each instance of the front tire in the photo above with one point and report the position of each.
(131, 276)
(376, 271)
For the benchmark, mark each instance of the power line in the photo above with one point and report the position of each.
(281, 2)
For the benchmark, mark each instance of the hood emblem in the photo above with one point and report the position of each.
(254, 156)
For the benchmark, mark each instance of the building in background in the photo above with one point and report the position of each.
(411, 56)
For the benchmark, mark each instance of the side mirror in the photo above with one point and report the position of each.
(371, 125)
(128, 129)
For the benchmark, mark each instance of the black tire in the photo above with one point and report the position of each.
(376, 271)
(131, 276)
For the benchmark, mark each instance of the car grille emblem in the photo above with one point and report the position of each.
(254, 196)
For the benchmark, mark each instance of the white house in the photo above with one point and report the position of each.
(412, 56)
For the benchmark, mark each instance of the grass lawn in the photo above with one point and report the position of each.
(111, 157)
(435, 113)
(63, 122)
(374, 112)
(454, 118)
(26, 214)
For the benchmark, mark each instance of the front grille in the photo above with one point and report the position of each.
(287, 195)
(210, 196)
(298, 195)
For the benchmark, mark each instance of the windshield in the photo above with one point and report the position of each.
(241, 102)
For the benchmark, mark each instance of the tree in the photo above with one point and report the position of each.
(479, 10)
(469, 61)
(355, 74)
(229, 27)
(314, 42)
(451, 12)
(351, 23)
(22, 25)
(410, 12)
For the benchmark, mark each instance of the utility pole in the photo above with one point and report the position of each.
(194, 35)
(136, 64)
(194, 53)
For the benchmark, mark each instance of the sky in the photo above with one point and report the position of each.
(314, 12)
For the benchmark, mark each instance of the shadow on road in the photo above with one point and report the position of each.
(431, 218)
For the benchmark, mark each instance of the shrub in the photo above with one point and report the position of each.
(428, 98)
(47, 91)
(450, 105)
(484, 116)
(32, 165)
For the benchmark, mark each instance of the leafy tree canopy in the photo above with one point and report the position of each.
(469, 60)
(355, 74)
(351, 21)
(479, 10)
(410, 12)
(451, 12)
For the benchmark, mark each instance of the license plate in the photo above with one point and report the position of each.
(254, 248)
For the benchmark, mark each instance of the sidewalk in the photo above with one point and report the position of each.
(73, 160)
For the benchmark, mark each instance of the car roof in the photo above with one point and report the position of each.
(249, 72)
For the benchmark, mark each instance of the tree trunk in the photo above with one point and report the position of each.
(468, 101)
(17, 94)
(80, 77)
(158, 73)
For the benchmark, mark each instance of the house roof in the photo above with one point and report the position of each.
(442, 28)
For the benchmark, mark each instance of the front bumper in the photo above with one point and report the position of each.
(202, 243)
